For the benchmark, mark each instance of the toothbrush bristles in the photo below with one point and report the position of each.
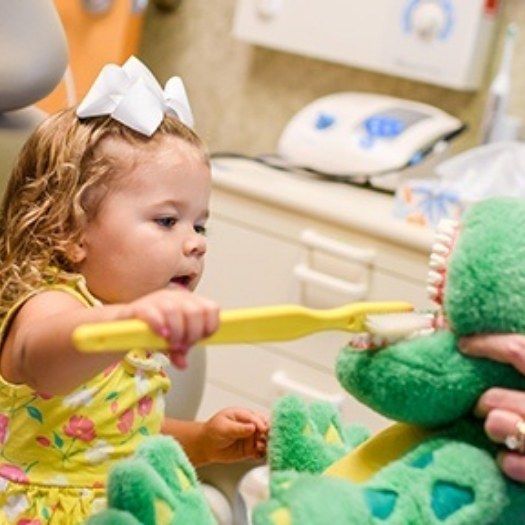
(399, 325)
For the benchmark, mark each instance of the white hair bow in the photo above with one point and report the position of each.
(132, 95)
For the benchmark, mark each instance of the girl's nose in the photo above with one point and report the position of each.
(194, 245)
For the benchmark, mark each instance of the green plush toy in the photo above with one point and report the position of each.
(451, 477)
(158, 485)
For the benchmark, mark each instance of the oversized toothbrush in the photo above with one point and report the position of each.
(389, 320)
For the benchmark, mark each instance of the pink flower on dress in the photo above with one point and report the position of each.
(13, 473)
(4, 423)
(42, 440)
(125, 421)
(80, 427)
(114, 406)
(145, 404)
(43, 395)
(29, 521)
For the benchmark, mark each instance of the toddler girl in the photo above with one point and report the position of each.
(103, 219)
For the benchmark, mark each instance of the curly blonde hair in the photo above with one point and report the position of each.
(55, 188)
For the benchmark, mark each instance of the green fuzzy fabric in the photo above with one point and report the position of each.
(452, 477)
(297, 436)
(158, 475)
(424, 381)
(313, 499)
(485, 289)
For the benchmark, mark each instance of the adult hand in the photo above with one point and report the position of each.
(503, 410)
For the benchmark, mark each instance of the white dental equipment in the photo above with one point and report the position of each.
(443, 42)
(496, 123)
(351, 134)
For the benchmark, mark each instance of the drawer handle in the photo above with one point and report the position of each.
(285, 385)
(354, 291)
(315, 240)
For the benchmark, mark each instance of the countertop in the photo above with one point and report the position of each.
(339, 203)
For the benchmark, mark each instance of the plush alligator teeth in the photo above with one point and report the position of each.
(438, 262)
(440, 249)
(447, 224)
(444, 238)
(433, 292)
(435, 277)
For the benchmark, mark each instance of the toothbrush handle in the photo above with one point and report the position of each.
(244, 325)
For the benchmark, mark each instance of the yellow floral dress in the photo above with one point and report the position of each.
(55, 451)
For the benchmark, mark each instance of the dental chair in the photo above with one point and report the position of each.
(33, 58)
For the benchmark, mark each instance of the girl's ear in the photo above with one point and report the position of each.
(76, 252)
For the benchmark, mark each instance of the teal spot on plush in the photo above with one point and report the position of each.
(380, 502)
(448, 498)
(423, 461)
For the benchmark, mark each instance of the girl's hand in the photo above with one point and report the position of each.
(234, 434)
(502, 409)
(179, 316)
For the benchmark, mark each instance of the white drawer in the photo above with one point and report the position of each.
(247, 268)
(248, 371)
(216, 398)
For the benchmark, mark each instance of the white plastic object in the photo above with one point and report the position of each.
(443, 42)
(494, 119)
(285, 385)
(428, 19)
(350, 133)
(219, 504)
(352, 291)
(254, 488)
(269, 8)
(318, 241)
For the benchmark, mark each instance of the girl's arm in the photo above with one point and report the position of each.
(233, 434)
(190, 434)
(38, 350)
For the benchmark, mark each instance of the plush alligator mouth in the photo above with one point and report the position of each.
(446, 236)
(402, 327)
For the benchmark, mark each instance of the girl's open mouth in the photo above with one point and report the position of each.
(181, 280)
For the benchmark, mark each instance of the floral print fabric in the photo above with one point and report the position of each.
(55, 451)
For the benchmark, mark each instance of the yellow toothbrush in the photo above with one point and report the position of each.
(245, 325)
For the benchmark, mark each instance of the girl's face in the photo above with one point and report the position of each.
(148, 233)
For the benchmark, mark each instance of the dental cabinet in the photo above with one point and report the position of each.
(276, 237)
(443, 42)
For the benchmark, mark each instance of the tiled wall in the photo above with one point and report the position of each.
(243, 95)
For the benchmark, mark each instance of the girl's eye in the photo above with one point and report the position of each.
(166, 222)
(200, 229)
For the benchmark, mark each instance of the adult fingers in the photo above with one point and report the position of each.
(510, 400)
(500, 424)
(505, 348)
(513, 465)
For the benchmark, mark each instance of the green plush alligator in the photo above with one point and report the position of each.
(451, 477)
(448, 478)
(158, 485)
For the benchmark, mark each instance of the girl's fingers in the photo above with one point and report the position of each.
(153, 317)
(175, 324)
(505, 348)
(501, 398)
(248, 416)
(179, 360)
(211, 315)
(193, 322)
